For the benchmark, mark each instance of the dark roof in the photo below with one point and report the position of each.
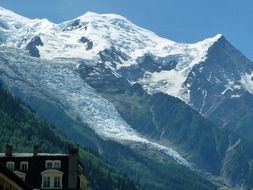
(31, 155)
(14, 177)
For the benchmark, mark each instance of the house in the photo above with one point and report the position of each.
(45, 170)
(9, 181)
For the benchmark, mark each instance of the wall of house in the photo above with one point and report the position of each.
(36, 165)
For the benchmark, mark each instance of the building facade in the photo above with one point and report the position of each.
(46, 171)
(9, 181)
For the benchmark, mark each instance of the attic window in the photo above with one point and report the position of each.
(57, 164)
(10, 165)
(24, 166)
(49, 164)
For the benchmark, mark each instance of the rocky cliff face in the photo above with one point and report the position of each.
(221, 76)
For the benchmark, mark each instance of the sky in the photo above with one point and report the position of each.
(179, 20)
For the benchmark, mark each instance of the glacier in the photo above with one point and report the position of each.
(60, 80)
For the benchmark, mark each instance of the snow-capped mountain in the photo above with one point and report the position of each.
(76, 65)
(158, 64)
(57, 78)
(69, 39)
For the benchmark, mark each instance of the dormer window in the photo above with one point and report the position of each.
(10, 165)
(49, 164)
(57, 164)
(24, 166)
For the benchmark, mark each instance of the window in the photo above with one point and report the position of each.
(49, 164)
(51, 179)
(46, 181)
(24, 166)
(57, 181)
(10, 166)
(57, 164)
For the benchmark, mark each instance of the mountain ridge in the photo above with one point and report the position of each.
(80, 69)
(91, 34)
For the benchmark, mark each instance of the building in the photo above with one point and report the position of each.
(9, 181)
(46, 171)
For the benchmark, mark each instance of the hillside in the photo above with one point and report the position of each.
(171, 122)
(235, 114)
(21, 128)
(88, 118)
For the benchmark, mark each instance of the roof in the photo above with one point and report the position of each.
(31, 154)
(14, 177)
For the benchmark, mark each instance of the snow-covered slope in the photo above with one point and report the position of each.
(11, 21)
(59, 82)
(158, 64)
(87, 35)
(104, 30)
(59, 49)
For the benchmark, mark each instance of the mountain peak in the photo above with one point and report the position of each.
(10, 15)
(218, 36)
(10, 20)
(97, 16)
(211, 40)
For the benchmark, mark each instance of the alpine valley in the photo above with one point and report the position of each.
(170, 116)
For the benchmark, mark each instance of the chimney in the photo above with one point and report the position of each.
(73, 167)
(35, 150)
(8, 150)
(73, 149)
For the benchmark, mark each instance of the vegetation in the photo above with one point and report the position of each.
(20, 127)
(150, 171)
(23, 129)
(154, 173)
(236, 115)
(169, 120)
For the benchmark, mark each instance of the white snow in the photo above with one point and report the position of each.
(11, 20)
(169, 82)
(172, 82)
(105, 31)
(204, 93)
(59, 80)
(247, 82)
(233, 146)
